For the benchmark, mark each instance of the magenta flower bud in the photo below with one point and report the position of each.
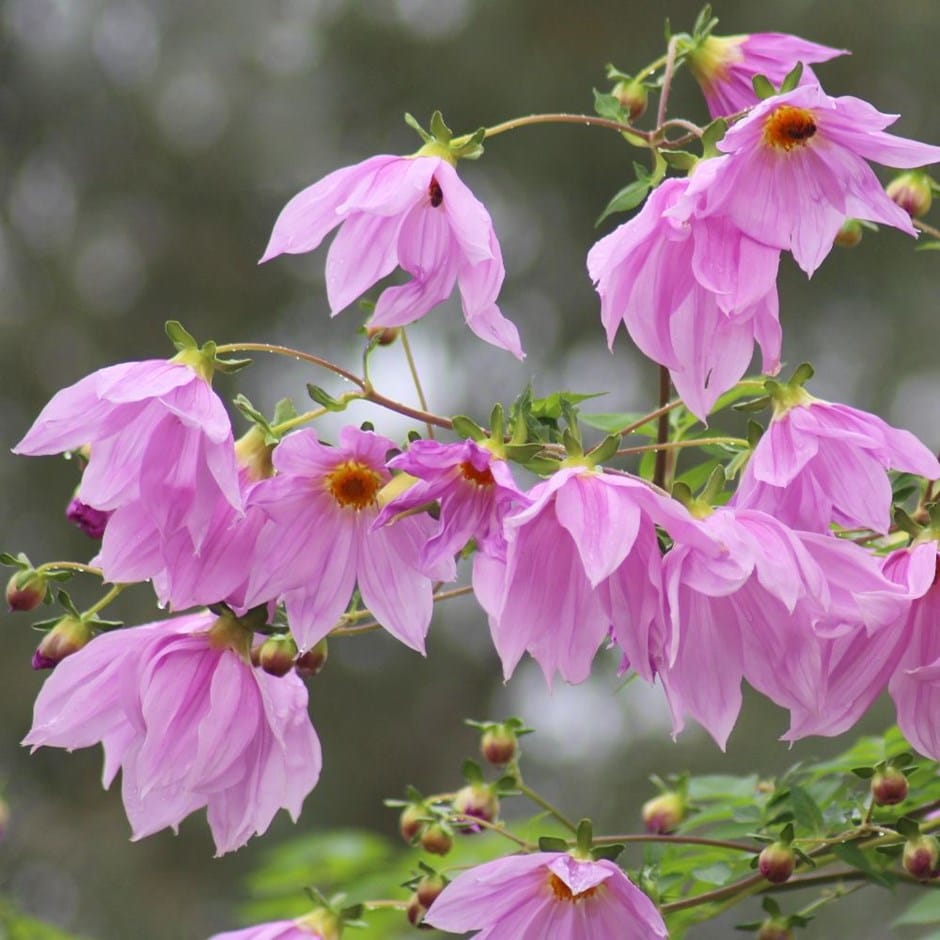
(663, 813)
(276, 655)
(633, 97)
(412, 821)
(920, 857)
(415, 913)
(383, 335)
(310, 663)
(912, 192)
(776, 862)
(499, 745)
(889, 787)
(429, 887)
(477, 800)
(68, 636)
(90, 520)
(850, 234)
(25, 590)
(436, 839)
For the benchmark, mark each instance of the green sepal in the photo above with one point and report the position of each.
(552, 844)
(324, 398)
(412, 122)
(471, 771)
(786, 834)
(439, 130)
(64, 601)
(467, 428)
(104, 625)
(543, 466)
(472, 149)
(792, 78)
(763, 87)
(608, 106)
(866, 773)
(584, 837)
(572, 442)
(801, 374)
(682, 493)
(610, 852)
(284, 410)
(711, 135)
(753, 404)
(905, 523)
(908, 827)
(704, 24)
(522, 453)
(497, 422)
(44, 626)
(230, 366)
(714, 486)
(755, 431)
(244, 405)
(605, 450)
(627, 198)
(680, 159)
(16, 561)
(179, 336)
(771, 906)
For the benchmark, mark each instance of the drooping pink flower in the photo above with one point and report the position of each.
(820, 463)
(915, 685)
(725, 66)
(766, 611)
(161, 441)
(180, 710)
(276, 930)
(320, 541)
(475, 490)
(582, 560)
(412, 212)
(795, 170)
(546, 894)
(693, 294)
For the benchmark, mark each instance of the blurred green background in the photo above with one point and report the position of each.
(145, 150)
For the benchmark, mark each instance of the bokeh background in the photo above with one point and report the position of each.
(146, 147)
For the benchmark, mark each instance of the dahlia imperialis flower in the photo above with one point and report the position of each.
(820, 463)
(179, 709)
(581, 560)
(320, 542)
(161, 446)
(475, 490)
(320, 924)
(694, 295)
(770, 611)
(412, 212)
(725, 66)
(795, 169)
(546, 894)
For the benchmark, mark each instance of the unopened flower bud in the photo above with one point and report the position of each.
(478, 801)
(663, 813)
(889, 787)
(413, 819)
(415, 913)
(68, 636)
(920, 857)
(429, 887)
(912, 192)
(774, 930)
(276, 654)
(253, 455)
(25, 590)
(383, 335)
(633, 98)
(849, 235)
(776, 862)
(90, 520)
(436, 839)
(499, 745)
(308, 664)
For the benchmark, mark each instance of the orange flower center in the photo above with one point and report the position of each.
(788, 127)
(482, 477)
(563, 893)
(353, 484)
(435, 193)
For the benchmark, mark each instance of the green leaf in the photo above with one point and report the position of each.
(852, 855)
(927, 246)
(805, 810)
(680, 159)
(551, 844)
(762, 87)
(324, 398)
(552, 406)
(711, 137)
(608, 106)
(627, 198)
(925, 910)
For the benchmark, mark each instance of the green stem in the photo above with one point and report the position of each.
(587, 120)
(540, 800)
(926, 229)
(667, 82)
(293, 354)
(652, 416)
(104, 601)
(461, 819)
(678, 840)
(416, 379)
(677, 445)
(69, 566)
(342, 629)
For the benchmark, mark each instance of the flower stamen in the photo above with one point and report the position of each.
(563, 893)
(353, 484)
(788, 127)
(482, 477)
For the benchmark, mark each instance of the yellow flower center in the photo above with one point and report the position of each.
(482, 477)
(353, 484)
(788, 127)
(563, 893)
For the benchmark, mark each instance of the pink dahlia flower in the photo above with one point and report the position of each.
(820, 463)
(321, 925)
(693, 294)
(725, 66)
(766, 611)
(475, 490)
(582, 560)
(546, 894)
(412, 212)
(178, 707)
(321, 542)
(915, 686)
(795, 170)
(161, 442)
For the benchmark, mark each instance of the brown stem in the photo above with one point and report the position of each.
(665, 386)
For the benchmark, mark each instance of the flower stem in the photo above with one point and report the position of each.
(588, 120)
(678, 840)
(104, 601)
(926, 229)
(662, 431)
(540, 800)
(293, 354)
(676, 445)
(348, 619)
(463, 819)
(667, 82)
(413, 369)
(652, 416)
(69, 566)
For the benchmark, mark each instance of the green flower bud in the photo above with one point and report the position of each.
(68, 636)
(436, 839)
(663, 813)
(499, 745)
(912, 192)
(850, 234)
